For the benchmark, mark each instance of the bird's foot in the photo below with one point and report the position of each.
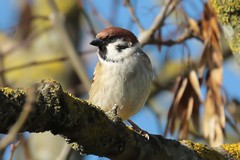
(113, 113)
(136, 128)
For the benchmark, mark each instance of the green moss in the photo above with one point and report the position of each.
(9, 92)
(75, 146)
(235, 45)
(233, 150)
(203, 151)
(228, 11)
(17, 95)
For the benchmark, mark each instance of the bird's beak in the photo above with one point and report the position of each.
(97, 42)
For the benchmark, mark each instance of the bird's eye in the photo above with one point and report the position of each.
(121, 47)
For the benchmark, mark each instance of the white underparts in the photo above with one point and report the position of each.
(125, 82)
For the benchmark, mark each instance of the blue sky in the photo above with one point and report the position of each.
(8, 15)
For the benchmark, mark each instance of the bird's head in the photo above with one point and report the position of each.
(115, 44)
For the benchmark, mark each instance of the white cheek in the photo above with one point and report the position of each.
(115, 55)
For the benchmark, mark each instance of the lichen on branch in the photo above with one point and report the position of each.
(88, 128)
(228, 12)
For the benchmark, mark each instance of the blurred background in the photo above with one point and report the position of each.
(195, 93)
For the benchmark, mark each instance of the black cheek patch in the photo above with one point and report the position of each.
(102, 48)
(121, 47)
(102, 51)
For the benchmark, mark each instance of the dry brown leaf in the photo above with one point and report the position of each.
(217, 59)
(214, 81)
(208, 115)
(214, 115)
(179, 93)
(211, 34)
(211, 60)
(215, 42)
(222, 117)
(172, 125)
(189, 108)
(183, 131)
(194, 26)
(202, 63)
(209, 105)
(214, 26)
(185, 105)
(169, 120)
(214, 21)
(205, 28)
(193, 79)
(217, 139)
(172, 113)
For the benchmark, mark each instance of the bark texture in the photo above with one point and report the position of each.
(91, 131)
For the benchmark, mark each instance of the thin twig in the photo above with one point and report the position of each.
(185, 36)
(13, 148)
(21, 120)
(70, 50)
(26, 42)
(34, 63)
(25, 146)
(147, 35)
(133, 14)
(99, 16)
(92, 29)
(159, 19)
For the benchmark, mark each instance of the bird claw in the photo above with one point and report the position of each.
(137, 129)
(145, 134)
(114, 110)
(113, 113)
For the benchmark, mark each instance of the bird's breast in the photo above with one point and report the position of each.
(126, 84)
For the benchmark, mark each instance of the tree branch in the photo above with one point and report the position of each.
(228, 14)
(146, 35)
(128, 4)
(185, 36)
(33, 63)
(70, 50)
(84, 125)
(20, 122)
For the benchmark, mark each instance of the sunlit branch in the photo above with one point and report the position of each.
(70, 50)
(133, 14)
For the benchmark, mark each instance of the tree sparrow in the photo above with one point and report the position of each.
(123, 75)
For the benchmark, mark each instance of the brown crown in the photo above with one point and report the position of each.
(117, 33)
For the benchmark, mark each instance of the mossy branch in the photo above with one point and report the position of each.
(91, 131)
(228, 13)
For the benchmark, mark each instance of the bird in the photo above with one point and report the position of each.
(123, 74)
